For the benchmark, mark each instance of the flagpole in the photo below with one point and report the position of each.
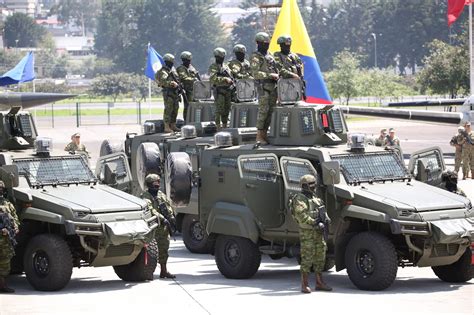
(471, 61)
(149, 98)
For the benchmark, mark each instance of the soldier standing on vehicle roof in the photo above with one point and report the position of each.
(162, 208)
(187, 75)
(240, 66)
(265, 72)
(6, 247)
(289, 64)
(458, 148)
(167, 79)
(223, 83)
(307, 210)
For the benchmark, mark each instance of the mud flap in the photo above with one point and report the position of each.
(456, 231)
(125, 232)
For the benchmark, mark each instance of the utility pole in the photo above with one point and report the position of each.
(375, 47)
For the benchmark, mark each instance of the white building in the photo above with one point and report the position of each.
(22, 6)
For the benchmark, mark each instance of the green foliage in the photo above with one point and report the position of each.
(51, 87)
(118, 84)
(82, 13)
(446, 69)
(125, 28)
(8, 59)
(343, 81)
(23, 28)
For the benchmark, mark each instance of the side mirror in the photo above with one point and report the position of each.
(422, 171)
(331, 172)
(110, 175)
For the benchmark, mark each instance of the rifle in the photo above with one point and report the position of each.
(180, 89)
(322, 222)
(466, 136)
(6, 222)
(300, 74)
(229, 75)
(171, 220)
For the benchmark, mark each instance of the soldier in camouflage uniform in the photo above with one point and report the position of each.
(458, 149)
(187, 75)
(240, 66)
(305, 210)
(289, 64)
(265, 72)
(223, 83)
(161, 207)
(167, 79)
(75, 144)
(467, 142)
(6, 248)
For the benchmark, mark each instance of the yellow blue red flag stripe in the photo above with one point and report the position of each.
(291, 23)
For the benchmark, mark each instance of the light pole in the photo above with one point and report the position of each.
(375, 47)
(16, 44)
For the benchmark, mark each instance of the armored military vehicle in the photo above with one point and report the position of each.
(69, 219)
(381, 217)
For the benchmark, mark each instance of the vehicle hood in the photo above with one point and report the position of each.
(415, 195)
(93, 199)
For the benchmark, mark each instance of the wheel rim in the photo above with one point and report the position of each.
(232, 253)
(197, 232)
(41, 263)
(365, 262)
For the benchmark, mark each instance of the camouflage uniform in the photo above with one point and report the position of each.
(164, 77)
(72, 147)
(187, 75)
(6, 249)
(313, 246)
(288, 65)
(223, 92)
(395, 142)
(240, 70)
(262, 66)
(467, 154)
(458, 151)
(162, 233)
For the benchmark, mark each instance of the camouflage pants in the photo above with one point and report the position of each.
(162, 237)
(267, 98)
(6, 254)
(313, 250)
(223, 100)
(467, 159)
(189, 98)
(457, 160)
(171, 101)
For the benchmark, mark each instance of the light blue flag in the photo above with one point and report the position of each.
(154, 63)
(24, 71)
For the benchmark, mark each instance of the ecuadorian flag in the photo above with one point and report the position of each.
(291, 23)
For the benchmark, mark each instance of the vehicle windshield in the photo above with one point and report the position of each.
(55, 170)
(369, 167)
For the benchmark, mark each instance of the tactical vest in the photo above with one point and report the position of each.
(314, 204)
(267, 65)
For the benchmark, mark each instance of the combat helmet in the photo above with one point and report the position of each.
(186, 55)
(307, 179)
(2, 184)
(461, 129)
(240, 48)
(262, 37)
(219, 52)
(168, 57)
(151, 178)
(284, 39)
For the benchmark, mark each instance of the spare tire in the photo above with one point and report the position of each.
(179, 178)
(147, 162)
(108, 147)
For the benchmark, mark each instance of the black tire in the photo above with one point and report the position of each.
(237, 257)
(195, 237)
(107, 147)
(179, 178)
(148, 161)
(47, 262)
(137, 271)
(371, 261)
(460, 271)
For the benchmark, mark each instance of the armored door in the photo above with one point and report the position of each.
(113, 170)
(427, 165)
(261, 188)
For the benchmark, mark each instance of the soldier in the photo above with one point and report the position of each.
(289, 64)
(6, 246)
(381, 139)
(391, 141)
(75, 144)
(240, 66)
(167, 79)
(307, 210)
(223, 83)
(161, 207)
(187, 75)
(450, 183)
(467, 141)
(458, 148)
(265, 72)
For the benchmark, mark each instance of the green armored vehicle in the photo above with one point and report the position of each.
(69, 219)
(381, 217)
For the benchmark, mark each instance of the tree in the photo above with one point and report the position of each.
(22, 31)
(112, 85)
(82, 13)
(446, 69)
(343, 81)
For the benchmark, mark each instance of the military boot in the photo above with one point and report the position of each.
(168, 128)
(320, 285)
(304, 283)
(265, 135)
(164, 272)
(260, 137)
(3, 286)
(174, 128)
